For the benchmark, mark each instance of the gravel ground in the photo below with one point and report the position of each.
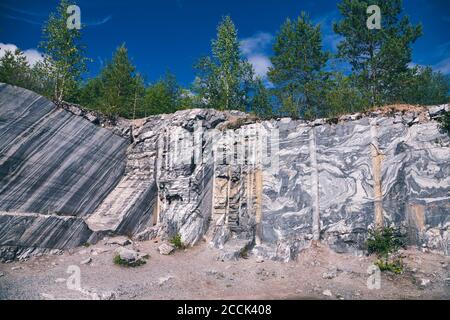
(196, 273)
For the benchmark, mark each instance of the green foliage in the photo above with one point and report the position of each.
(426, 87)
(385, 243)
(41, 80)
(379, 58)
(165, 96)
(342, 97)
(118, 90)
(64, 54)
(261, 104)
(243, 254)
(14, 68)
(177, 242)
(188, 100)
(225, 79)
(91, 94)
(380, 61)
(120, 262)
(445, 122)
(119, 85)
(297, 71)
(396, 266)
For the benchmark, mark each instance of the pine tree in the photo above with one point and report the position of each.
(261, 102)
(379, 58)
(225, 79)
(297, 71)
(139, 93)
(14, 69)
(163, 97)
(92, 93)
(427, 87)
(342, 97)
(119, 85)
(63, 52)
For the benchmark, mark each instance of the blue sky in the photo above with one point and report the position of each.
(172, 34)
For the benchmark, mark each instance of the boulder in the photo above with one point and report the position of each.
(127, 255)
(166, 249)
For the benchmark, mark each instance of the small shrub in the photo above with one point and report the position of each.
(177, 242)
(385, 243)
(395, 266)
(123, 263)
(445, 123)
(244, 253)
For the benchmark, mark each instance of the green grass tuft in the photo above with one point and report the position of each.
(385, 243)
(123, 263)
(177, 242)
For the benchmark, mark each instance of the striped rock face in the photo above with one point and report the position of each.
(267, 187)
(55, 165)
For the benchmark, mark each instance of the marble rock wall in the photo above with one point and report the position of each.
(52, 161)
(338, 180)
(204, 175)
(23, 234)
(54, 164)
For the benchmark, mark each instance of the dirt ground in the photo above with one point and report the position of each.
(196, 273)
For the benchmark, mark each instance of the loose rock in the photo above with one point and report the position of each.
(330, 274)
(424, 282)
(127, 255)
(166, 249)
(120, 241)
(164, 280)
(327, 293)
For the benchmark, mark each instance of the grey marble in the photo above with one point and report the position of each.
(165, 176)
(52, 161)
(22, 233)
(55, 164)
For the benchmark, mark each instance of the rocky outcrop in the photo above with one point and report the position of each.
(52, 161)
(23, 234)
(245, 186)
(55, 165)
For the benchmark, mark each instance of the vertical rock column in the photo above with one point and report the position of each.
(377, 160)
(258, 175)
(314, 185)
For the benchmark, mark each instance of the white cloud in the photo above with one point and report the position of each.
(258, 42)
(443, 66)
(32, 55)
(261, 64)
(255, 49)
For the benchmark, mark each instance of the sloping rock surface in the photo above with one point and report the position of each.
(55, 164)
